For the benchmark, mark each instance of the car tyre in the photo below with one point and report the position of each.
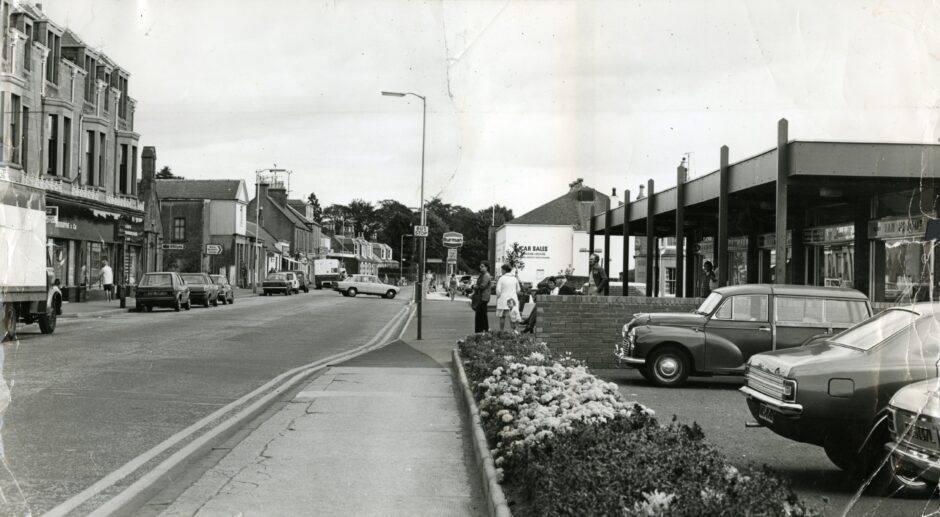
(206, 303)
(48, 320)
(150, 308)
(189, 304)
(9, 322)
(232, 301)
(351, 292)
(390, 294)
(140, 307)
(668, 367)
(215, 303)
(177, 305)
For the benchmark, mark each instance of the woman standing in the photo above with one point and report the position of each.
(507, 288)
(481, 298)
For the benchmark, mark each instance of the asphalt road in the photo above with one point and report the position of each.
(99, 392)
(720, 410)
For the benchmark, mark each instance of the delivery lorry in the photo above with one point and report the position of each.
(28, 293)
(326, 272)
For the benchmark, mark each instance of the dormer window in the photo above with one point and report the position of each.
(54, 42)
(91, 65)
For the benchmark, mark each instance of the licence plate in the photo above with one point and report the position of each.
(924, 435)
(766, 413)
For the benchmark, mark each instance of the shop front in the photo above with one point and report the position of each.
(903, 261)
(830, 255)
(767, 255)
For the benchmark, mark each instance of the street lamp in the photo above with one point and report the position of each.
(254, 285)
(419, 293)
(401, 256)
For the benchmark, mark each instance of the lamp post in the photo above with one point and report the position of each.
(419, 293)
(401, 256)
(254, 285)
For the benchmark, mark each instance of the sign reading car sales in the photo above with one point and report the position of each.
(453, 240)
(213, 249)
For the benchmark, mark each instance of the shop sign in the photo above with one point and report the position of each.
(769, 240)
(535, 251)
(453, 240)
(737, 244)
(900, 227)
(452, 256)
(52, 214)
(829, 234)
(65, 225)
(171, 246)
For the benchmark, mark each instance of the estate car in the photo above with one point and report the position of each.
(162, 289)
(203, 289)
(731, 325)
(365, 284)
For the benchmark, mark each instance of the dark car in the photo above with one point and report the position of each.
(277, 283)
(834, 393)
(226, 292)
(733, 324)
(302, 280)
(162, 289)
(202, 289)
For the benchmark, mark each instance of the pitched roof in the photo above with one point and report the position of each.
(290, 214)
(572, 208)
(197, 189)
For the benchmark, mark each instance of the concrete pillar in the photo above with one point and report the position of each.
(626, 242)
(689, 265)
(753, 255)
(590, 237)
(680, 227)
(862, 256)
(721, 242)
(607, 249)
(783, 168)
(650, 239)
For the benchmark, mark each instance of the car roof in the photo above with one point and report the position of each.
(792, 290)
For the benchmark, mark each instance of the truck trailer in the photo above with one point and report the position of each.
(27, 290)
(326, 272)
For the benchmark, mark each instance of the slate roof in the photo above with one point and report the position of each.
(197, 189)
(568, 209)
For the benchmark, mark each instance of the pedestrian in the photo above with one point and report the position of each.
(507, 296)
(452, 289)
(106, 277)
(562, 288)
(597, 277)
(709, 280)
(481, 298)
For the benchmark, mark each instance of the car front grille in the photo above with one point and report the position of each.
(917, 431)
(767, 383)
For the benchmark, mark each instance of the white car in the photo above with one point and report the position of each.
(365, 284)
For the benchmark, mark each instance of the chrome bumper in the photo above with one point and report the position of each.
(631, 361)
(926, 465)
(785, 408)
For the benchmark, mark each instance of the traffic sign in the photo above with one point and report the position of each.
(172, 246)
(452, 256)
(453, 240)
(213, 249)
(421, 231)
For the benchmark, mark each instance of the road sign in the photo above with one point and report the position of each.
(421, 231)
(172, 246)
(453, 240)
(213, 249)
(452, 256)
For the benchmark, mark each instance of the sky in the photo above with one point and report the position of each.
(523, 96)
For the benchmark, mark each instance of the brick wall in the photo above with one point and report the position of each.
(589, 326)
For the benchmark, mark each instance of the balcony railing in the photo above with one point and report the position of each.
(71, 189)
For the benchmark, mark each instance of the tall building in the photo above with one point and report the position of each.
(68, 128)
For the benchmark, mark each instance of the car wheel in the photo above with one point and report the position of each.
(189, 304)
(351, 292)
(140, 307)
(390, 294)
(48, 320)
(215, 303)
(901, 481)
(668, 366)
(9, 322)
(232, 301)
(177, 305)
(150, 308)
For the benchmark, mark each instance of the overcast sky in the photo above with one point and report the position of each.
(523, 96)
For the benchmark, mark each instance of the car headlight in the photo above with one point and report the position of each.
(892, 422)
(789, 390)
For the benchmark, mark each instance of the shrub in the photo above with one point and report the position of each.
(486, 351)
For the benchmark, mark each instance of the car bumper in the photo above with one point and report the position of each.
(785, 408)
(152, 300)
(275, 287)
(926, 465)
(634, 362)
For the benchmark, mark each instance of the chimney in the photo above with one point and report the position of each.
(640, 194)
(39, 7)
(279, 194)
(576, 185)
(614, 200)
(149, 163)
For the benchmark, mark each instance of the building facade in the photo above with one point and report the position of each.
(286, 225)
(68, 128)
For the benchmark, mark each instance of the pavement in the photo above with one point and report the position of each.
(101, 308)
(381, 434)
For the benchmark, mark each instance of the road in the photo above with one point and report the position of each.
(720, 410)
(99, 392)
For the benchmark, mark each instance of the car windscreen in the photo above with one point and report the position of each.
(874, 331)
(219, 280)
(156, 281)
(194, 279)
(709, 304)
(277, 276)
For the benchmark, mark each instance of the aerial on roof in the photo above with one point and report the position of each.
(572, 208)
(197, 189)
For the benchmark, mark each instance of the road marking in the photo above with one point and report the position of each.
(136, 490)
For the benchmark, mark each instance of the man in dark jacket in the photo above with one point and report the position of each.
(597, 277)
(482, 294)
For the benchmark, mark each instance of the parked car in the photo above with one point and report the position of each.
(303, 282)
(226, 292)
(365, 284)
(914, 421)
(465, 285)
(834, 393)
(294, 282)
(277, 283)
(162, 289)
(733, 324)
(202, 289)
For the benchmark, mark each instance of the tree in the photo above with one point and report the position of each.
(363, 214)
(167, 174)
(317, 209)
(514, 256)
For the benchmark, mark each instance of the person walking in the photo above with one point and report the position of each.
(597, 277)
(452, 288)
(709, 279)
(106, 277)
(481, 298)
(507, 296)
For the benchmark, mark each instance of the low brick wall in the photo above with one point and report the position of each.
(589, 326)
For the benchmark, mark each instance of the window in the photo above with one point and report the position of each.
(52, 144)
(53, 41)
(744, 308)
(66, 147)
(845, 311)
(25, 138)
(123, 183)
(90, 66)
(179, 228)
(670, 280)
(16, 107)
(134, 168)
(28, 61)
(90, 157)
(101, 154)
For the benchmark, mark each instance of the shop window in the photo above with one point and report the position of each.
(179, 228)
(907, 271)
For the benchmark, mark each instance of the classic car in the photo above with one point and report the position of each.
(162, 289)
(914, 424)
(834, 393)
(226, 291)
(277, 283)
(202, 289)
(731, 325)
(365, 284)
(302, 281)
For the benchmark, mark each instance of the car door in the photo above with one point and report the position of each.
(372, 285)
(797, 319)
(739, 329)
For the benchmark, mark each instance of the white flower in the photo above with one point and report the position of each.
(656, 504)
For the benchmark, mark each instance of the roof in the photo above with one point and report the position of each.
(572, 208)
(197, 189)
(792, 290)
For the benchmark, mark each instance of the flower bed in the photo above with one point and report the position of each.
(566, 443)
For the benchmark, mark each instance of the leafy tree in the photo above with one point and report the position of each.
(317, 209)
(514, 256)
(363, 214)
(167, 174)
